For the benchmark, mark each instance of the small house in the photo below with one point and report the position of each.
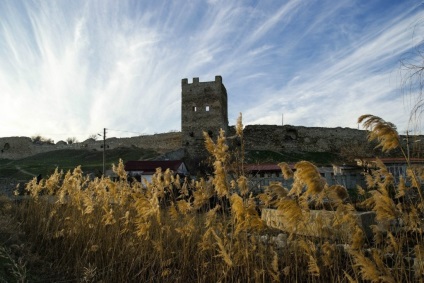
(396, 166)
(262, 175)
(146, 169)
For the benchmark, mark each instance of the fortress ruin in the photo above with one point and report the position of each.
(204, 107)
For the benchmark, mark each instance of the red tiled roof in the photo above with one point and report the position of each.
(150, 166)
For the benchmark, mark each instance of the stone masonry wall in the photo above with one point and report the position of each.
(203, 108)
(21, 147)
(303, 139)
(257, 137)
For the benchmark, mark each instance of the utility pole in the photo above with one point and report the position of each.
(104, 150)
(407, 143)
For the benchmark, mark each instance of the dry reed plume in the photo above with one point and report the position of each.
(384, 132)
(174, 230)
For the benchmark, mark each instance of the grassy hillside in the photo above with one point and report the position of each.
(90, 161)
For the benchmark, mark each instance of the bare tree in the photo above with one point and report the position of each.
(71, 140)
(93, 136)
(412, 79)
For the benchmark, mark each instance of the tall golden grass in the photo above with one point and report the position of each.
(105, 230)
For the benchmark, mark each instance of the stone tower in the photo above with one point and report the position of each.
(204, 108)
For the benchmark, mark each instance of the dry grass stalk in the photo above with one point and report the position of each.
(419, 261)
(328, 255)
(401, 188)
(286, 170)
(223, 252)
(384, 132)
(367, 268)
(114, 231)
(245, 215)
(202, 192)
(307, 175)
(239, 126)
(310, 251)
(383, 206)
(276, 190)
(242, 185)
(293, 214)
(219, 151)
(275, 271)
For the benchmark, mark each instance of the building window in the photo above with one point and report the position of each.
(207, 108)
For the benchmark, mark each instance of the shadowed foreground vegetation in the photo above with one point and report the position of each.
(75, 229)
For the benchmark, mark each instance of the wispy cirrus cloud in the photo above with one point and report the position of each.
(73, 68)
(360, 78)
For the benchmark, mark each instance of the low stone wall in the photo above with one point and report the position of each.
(21, 147)
(320, 223)
(159, 142)
(256, 137)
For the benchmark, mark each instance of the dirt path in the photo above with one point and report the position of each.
(24, 171)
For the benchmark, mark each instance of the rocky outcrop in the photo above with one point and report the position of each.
(303, 139)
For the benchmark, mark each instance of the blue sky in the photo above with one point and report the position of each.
(72, 68)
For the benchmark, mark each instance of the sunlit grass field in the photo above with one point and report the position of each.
(75, 229)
